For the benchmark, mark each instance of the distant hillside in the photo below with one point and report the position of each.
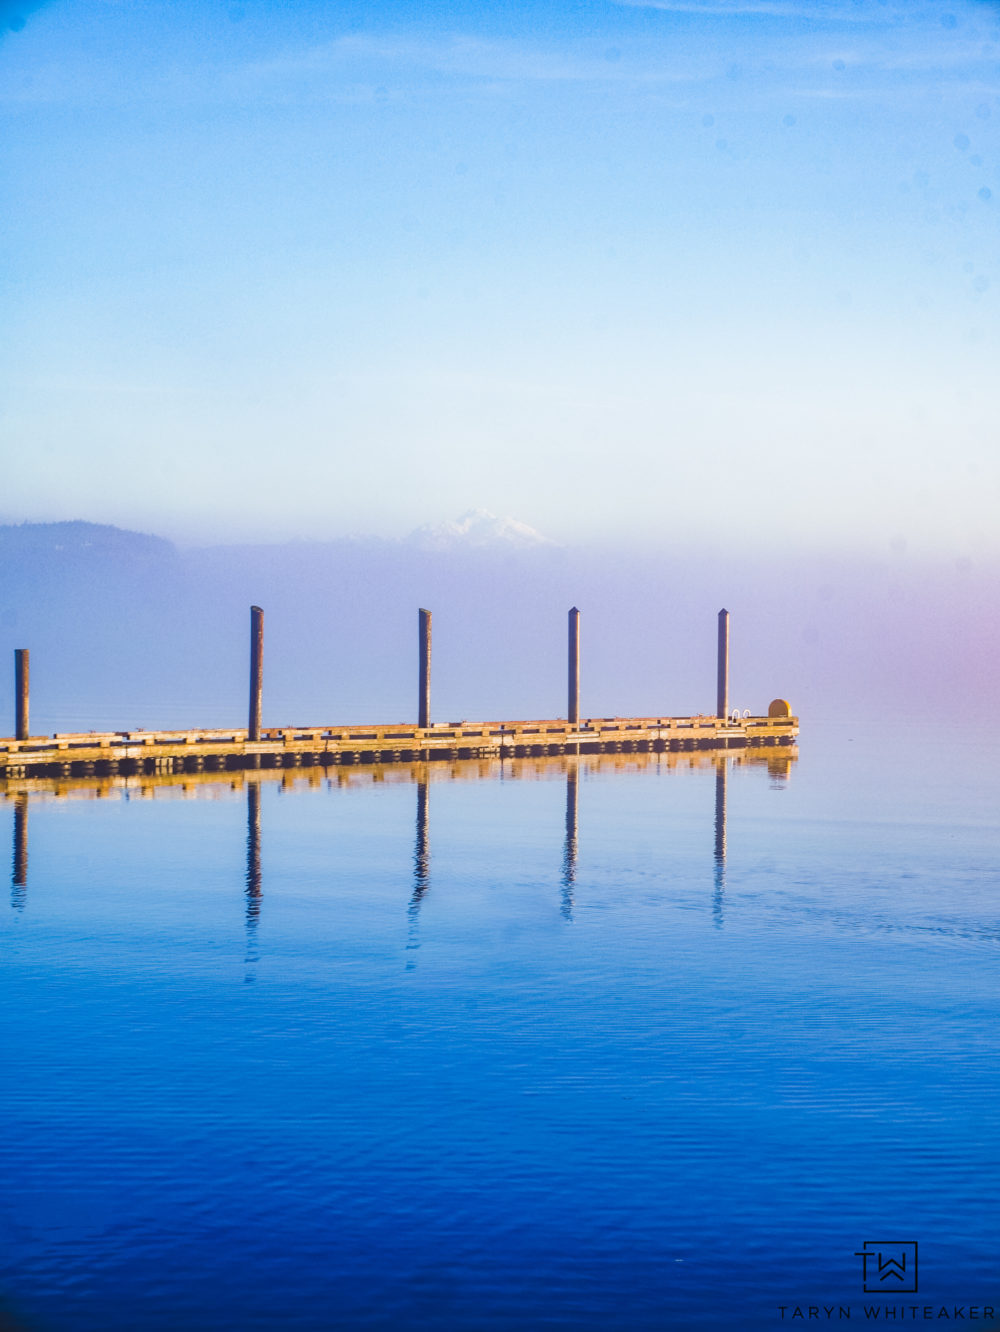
(79, 540)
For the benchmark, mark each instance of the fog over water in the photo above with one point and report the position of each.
(128, 630)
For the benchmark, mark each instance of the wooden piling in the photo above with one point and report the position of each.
(256, 670)
(722, 672)
(573, 702)
(424, 701)
(21, 693)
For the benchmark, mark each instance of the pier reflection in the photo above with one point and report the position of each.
(777, 761)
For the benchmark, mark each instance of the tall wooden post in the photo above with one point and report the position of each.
(722, 673)
(573, 702)
(256, 670)
(21, 693)
(424, 702)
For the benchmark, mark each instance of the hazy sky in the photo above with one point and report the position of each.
(670, 269)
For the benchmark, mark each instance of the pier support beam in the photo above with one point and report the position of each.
(573, 700)
(256, 670)
(21, 693)
(722, 671)
(424, 700)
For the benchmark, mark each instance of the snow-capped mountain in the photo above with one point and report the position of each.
(479, 529)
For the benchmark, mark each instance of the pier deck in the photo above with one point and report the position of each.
(135, 752)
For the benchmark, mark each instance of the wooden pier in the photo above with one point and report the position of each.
(132, 753)
(148, 752)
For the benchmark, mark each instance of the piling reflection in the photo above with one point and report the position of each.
(721, 779)
(253, 874)
(421, 869)
(570, 844)
(19, 874)
(776, 761)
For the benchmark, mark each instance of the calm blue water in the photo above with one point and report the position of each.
(546, 1048)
